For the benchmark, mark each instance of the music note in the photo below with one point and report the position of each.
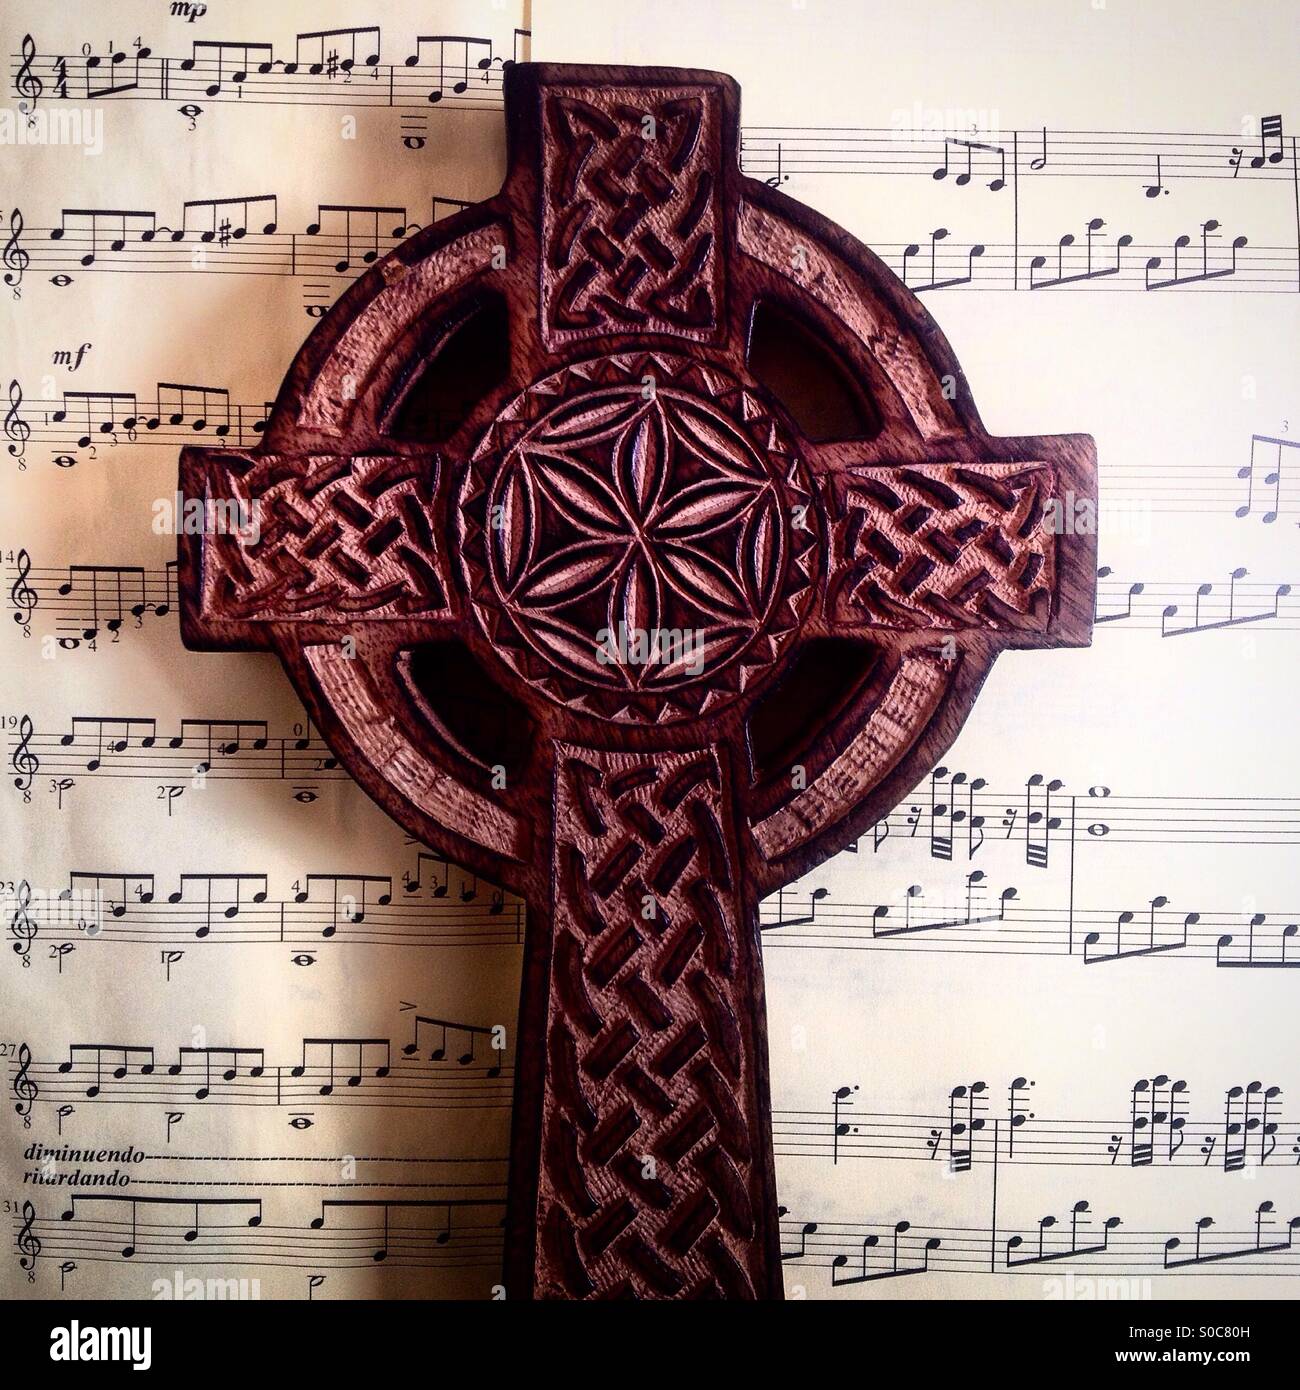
(971, 146)
(895, 1270)
(190, 1228)
(453, 73)
(106, 595)
(1272, 479)
(199, 407)
(327, 60)
(809, 1228)
(115, 85)
(465, 1053)
(1270, 131)
(121, 1060)
(108, 227)
(225, 231)
(1047, 1223)
(439, 884)
(961, 1132)
(1209, 230)
(1154, 190)
(226, 1074)
(118, 738)
(780, 177)
(217, 898)
(348, 907)
(233, 56)
(104, 412)
(1201, 1255)
(1134, 591)
(353, 1076)
(360, 230)
(799, 919)
(1089, 272)
(935, 283)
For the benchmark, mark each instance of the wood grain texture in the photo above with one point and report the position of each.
(632, 469)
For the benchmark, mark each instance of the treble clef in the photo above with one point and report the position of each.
(22, 925)
(27, 84)
(16, 258)
(29, 1243)
(24, 1087)
(17, 430)
(21, 594)
(24, 762)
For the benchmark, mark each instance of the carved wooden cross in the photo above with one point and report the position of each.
(634, 541)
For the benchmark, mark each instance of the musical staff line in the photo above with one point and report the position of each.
(1091, 1243)
(1092, 935)
(116, 1074)
(1051, 154)
(134, 747)
(87, 602)
(223, 909)
(1158, 1131)
(342, 67)
(64, 253)
(449, 1233)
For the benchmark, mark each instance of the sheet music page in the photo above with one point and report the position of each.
(257, 1044)
(1037, 1038)
(1034, 1038)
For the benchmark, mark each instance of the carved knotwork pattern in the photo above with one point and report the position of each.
(651, 1173)
(335, 537)
(943, 547)
(598, 505)
(630, 212)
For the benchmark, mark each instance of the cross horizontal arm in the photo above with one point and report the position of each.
(953, 547)
(316, 538)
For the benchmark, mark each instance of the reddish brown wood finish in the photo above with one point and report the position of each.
(630, 468)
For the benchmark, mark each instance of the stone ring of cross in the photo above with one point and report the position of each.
(634, 541)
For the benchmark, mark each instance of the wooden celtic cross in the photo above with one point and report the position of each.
(634, 541)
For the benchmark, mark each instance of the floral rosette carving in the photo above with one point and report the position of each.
(638, 536)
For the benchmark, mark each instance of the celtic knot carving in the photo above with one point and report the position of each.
(651, 1180)
(944, 546)
(630, 212)
(334, 536)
